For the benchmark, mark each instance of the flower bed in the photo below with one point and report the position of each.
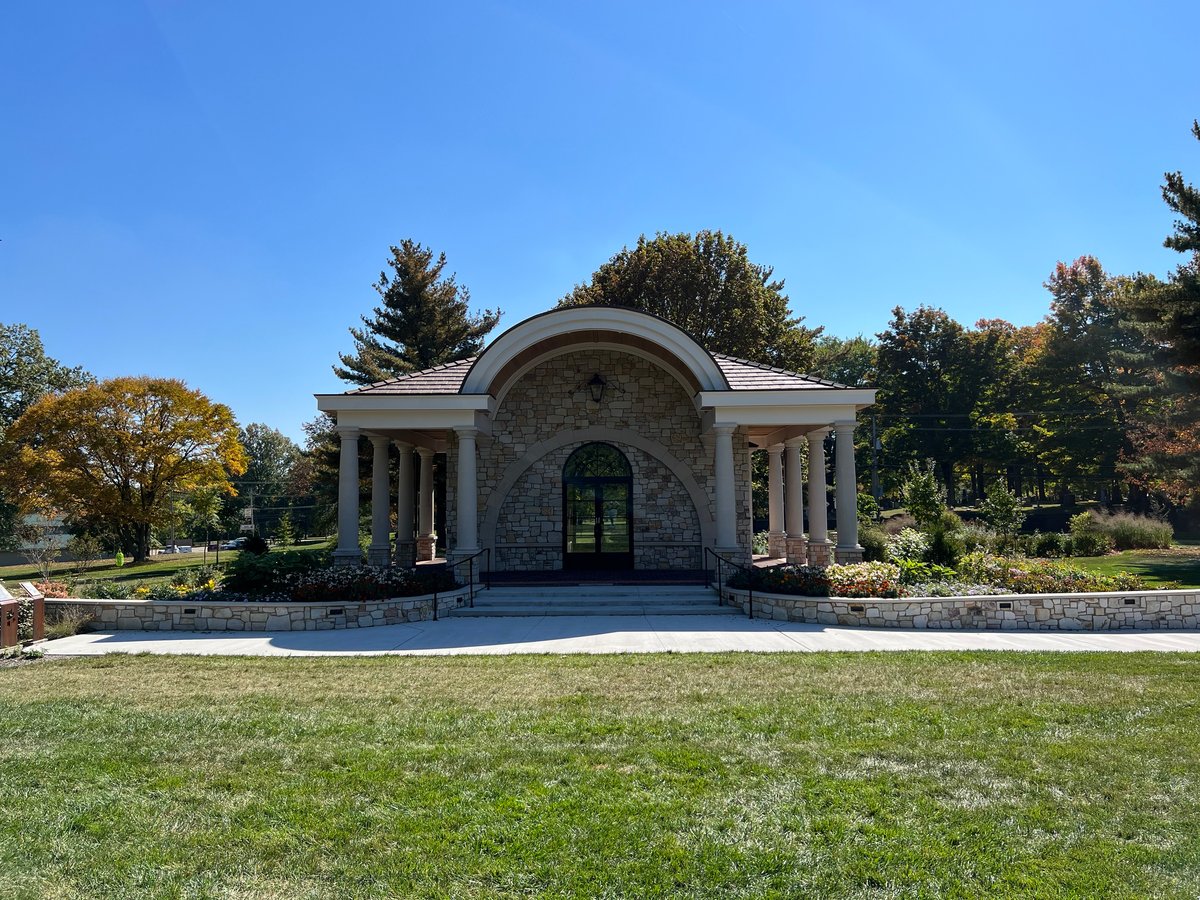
(978, 574)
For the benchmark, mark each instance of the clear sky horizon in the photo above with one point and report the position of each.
(207, 190)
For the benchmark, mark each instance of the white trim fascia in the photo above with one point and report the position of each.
(560, 322)
(414, 402)
(854, 398)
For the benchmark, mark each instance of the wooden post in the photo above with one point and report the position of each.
(10, 611)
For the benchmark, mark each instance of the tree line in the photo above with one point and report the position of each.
(1100, 399)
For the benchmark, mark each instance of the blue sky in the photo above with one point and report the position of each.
(207, 190)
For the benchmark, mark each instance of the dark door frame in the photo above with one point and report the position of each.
(597, 559)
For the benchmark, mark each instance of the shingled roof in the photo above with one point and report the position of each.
(741, 374)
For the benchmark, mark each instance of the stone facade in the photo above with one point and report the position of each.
(1137, 610)
(547, 413)
(178, 615)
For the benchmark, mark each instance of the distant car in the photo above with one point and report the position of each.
(177, 548)
(235, 544)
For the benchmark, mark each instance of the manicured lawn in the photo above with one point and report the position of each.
(1180, 563)
(824, 775)
(156, 568)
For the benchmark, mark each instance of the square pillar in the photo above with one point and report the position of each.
(347, 552)
(793, 522)
(379, 553)
(406, 544)
(776, 536)
(426, 540)
(818, 529)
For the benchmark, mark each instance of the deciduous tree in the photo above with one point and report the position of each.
(706, 285)
(119, 451)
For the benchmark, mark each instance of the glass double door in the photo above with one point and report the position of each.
(598, 523)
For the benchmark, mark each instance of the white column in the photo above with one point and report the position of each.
(776, 538)
(467, 539)
(381, 520)
(723, 475)
(425, 539)
(845, 483)
(818, 532)
(347, 552)
(405, 506)
(793, 521)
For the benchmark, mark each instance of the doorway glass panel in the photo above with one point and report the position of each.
(597, 509)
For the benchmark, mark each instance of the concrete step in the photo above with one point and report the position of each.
(594, 600)
(649, 609)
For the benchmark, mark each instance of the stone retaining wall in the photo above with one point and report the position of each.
(179, 615)
(1134, 610)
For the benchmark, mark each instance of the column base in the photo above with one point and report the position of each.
(425, 547)
(819, 552)
(379, 556)
(797, 551)
(776, 545)
(347, 557)
(849, 555)
(405, 553)
(455, 555)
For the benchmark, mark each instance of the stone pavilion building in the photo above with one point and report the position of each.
(598, 438)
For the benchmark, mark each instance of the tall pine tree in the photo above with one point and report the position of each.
(423, 321)
(1168, 314)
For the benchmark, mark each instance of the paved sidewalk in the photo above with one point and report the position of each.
(603, 634)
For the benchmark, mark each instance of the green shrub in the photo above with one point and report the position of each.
(868, 510)
(761, 543)
(921, 495)
(1052, 544)
(1041, 576)
(1130, 532)
(104, 589)
(874, 542)
(269, 573)
(908, 544)
(804, 581)
(254, 545)
(946, 542)
(977, 536)
(358, 583)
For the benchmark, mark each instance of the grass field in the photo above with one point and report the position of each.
(156, 568)
(901, 775)
(1181, 563)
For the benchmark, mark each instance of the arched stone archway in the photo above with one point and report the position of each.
(652, 549)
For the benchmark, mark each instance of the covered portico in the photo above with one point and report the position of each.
(686, 420)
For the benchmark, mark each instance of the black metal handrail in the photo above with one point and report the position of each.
(749, 570)
(486, 580)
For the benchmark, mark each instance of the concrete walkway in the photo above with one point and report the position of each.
(604, 634)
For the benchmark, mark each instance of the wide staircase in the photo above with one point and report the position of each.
(597, 600)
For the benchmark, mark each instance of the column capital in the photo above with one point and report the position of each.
(467, 431)
(401, 445)
(424, 452)
(775, 450)
(348, 432)
(817, 435)
(724, 429)
(794, 443)
(845, 425)
(379, 439)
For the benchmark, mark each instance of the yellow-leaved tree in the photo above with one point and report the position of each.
(118, 451)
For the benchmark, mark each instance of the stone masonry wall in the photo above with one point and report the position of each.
(179, 615)
(552, 398)
(1136, 610)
